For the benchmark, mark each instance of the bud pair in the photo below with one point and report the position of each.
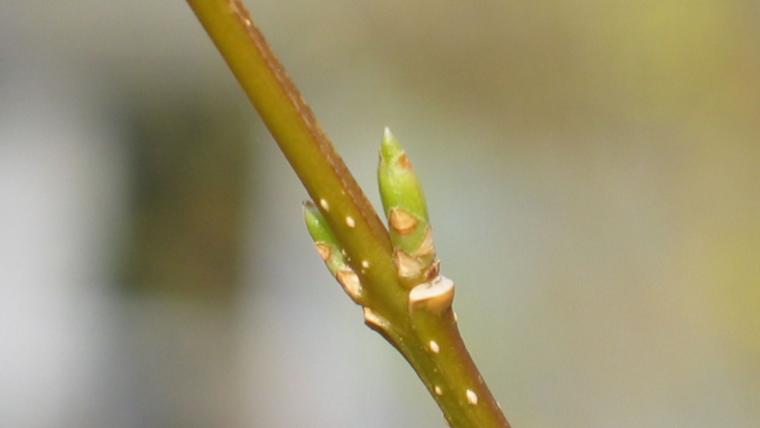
(405, 207)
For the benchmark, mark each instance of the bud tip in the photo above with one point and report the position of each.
(387, 134)
(390, 148)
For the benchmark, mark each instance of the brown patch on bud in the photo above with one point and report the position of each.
(406, 265)
(402, 221)
(404, 162)
(350, 283)
(426, 249)
(434, 296)
(323, 250)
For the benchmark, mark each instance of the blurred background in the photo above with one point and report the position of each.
(592, 169)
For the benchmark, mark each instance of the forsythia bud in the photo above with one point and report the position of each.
(331, 252)
(406, 210)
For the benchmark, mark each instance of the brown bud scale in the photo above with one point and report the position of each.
(323, 249)
(402, 221)
(426, 248)
(433, 271)
(350, 283)
(407, 266)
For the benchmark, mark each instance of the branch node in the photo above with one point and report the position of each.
(375, 321)
(435, 296)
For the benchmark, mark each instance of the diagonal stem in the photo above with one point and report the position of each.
(296, 130)
(445, 368)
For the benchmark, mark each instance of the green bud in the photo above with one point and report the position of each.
(399, 185)
(331, 252)
(405, 207)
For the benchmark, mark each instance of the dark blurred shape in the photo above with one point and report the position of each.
(190, 162)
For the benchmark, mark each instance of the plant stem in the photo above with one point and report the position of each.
(421, 326)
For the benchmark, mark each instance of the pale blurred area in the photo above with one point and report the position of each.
(593, 172)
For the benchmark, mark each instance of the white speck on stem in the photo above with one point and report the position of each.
(438, 390)
(324, 204)
(472, 397)
(350, 221)
(365, 264)
(434, 346)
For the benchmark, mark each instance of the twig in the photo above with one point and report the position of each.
(413, 312)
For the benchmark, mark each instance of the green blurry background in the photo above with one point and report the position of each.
(592, 169)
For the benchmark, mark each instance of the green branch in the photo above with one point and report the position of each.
(393, 276)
